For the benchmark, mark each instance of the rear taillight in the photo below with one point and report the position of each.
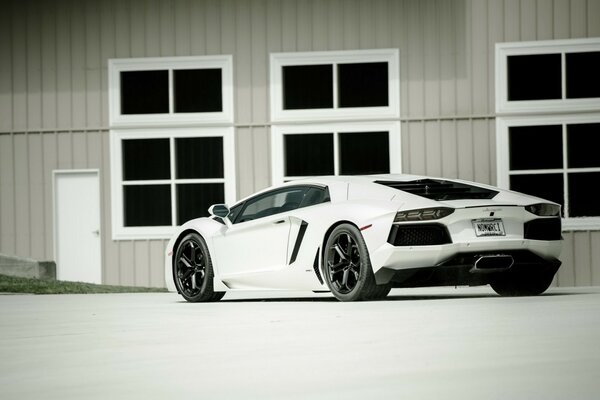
(544, 209)
(423, 214)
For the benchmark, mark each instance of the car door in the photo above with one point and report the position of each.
(257, 241)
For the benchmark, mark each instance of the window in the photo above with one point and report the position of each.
(171, 142)
(548, 76)
(554, 157)
(172, 91)
(335, 149)
(162, 178)
(319, 104)
(335, 85)
(278, 201)
(550, 156)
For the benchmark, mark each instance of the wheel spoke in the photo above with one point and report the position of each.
(186, 275)
(338, 249)
(334, 268)
(332, 274)
(193, 252)
(194, 287)
(355, 272)
(344, 282)
(185, 261)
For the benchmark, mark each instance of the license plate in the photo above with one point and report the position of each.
(489, 227)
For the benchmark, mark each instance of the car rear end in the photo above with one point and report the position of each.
(468, 237)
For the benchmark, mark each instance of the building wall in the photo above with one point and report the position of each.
(54, 101)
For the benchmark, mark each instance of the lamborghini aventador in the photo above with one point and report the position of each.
(360, 236)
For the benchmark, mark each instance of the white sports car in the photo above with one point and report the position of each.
(360, 236)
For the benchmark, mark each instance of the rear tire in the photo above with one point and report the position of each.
(347, 266)
(519, 283)
(192, 270)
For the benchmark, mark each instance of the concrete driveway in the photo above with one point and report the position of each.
(439, 343)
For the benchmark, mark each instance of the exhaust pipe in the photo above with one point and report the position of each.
(493, 263)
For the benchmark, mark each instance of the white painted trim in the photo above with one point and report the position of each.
(121, 232)
(55, 174)
(503, 123)
(504, 50)
(279, 60)
(116, 66)
(277, 150)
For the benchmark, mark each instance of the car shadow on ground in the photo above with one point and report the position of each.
(325, 298)
(333, 299)
(394, 297)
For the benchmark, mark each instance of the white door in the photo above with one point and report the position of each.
(77, 226)
(253, 247)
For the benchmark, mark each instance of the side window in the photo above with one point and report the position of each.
(315, 196)
(272, 203)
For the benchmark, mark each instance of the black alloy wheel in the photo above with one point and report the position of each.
(192, 270)
(347, 266)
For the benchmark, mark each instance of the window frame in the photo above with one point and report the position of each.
(504, 50)
(278, 150)
(119, 120)
(280, 60)
(503, 125)
(122, 232)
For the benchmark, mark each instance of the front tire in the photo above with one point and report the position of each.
(347, 266)
(192, 270)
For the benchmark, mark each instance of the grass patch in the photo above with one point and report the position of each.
(12, 284)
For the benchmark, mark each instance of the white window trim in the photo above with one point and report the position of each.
(278, 131)
(502, 155)
(121, 232)
(504, 50)
(279, 60)
(116, 66)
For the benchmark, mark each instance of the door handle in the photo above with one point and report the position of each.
(96, 232)
(281, 221)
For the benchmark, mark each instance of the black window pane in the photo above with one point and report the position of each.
(363, 85)
(308, 155)
(193, 200)
(198, 90)
(535, 147)
(147, 205)
(582, 75)
(307, 86)
(582, 201)
(199, 157)
(546, 186)
(364, 153)
(534, 77)
(144, 92)
(583, 144)
(145, 159)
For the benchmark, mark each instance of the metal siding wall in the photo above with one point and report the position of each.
(54, 104)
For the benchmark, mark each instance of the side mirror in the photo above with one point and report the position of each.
(219, 210)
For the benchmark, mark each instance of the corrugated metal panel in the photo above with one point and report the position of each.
(55, 77)
(53, 92)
